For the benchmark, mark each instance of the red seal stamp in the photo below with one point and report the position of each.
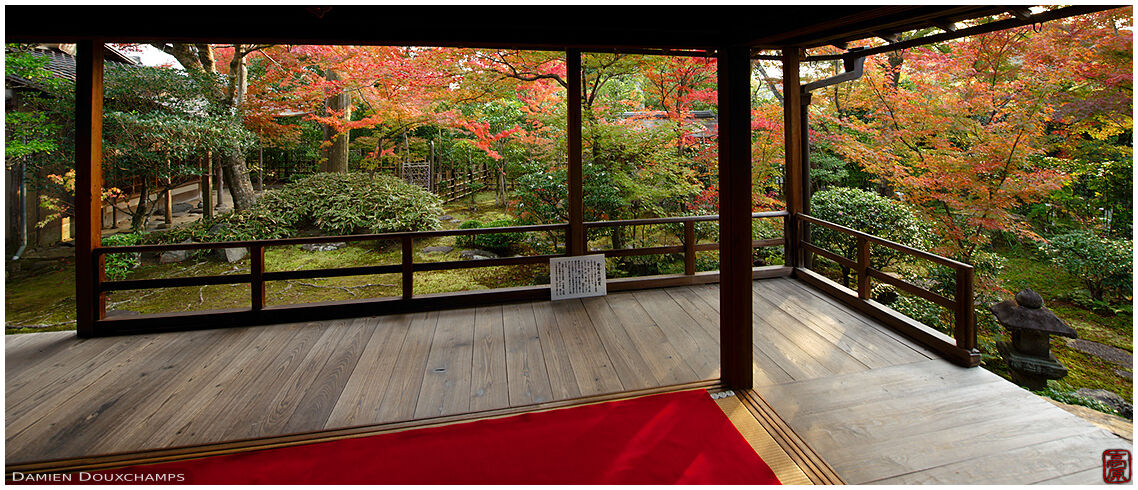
(1116, 466)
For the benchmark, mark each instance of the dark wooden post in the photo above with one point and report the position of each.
(862, 267)
(576, 239)
(408, 267)
(734, 83)
(90, 303)
(804, 135)
(257, 275)
(207, 185)
(689, 248)
(965, 332)
(792, 133)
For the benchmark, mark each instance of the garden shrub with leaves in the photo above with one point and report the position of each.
(494, 242)
(352, 203)
(870, 213)
(1102, 263)
(117, 266)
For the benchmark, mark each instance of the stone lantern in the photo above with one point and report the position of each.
(1029, 353)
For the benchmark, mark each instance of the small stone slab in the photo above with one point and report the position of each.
(231, 255)
(442, 249)
(476, 254)
(1111, 399)
(446, 217)
(1113, 354)
(172, 256)
(323, 247)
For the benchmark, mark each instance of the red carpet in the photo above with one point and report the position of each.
(671, 438)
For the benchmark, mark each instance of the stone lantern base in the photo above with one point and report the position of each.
(1029, 371)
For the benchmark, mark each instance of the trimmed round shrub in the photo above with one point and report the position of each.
(351, 203)
(1101, 263)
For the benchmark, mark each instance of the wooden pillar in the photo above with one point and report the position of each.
(89, 302)
(735, 263)
(576, 239)
(792, 182)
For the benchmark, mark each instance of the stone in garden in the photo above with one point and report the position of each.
(173, 256)
(1122, 358)
(446, 217)
(182, 207)
(442, 249)
(231, 255)
(323, 247)
(476, 254)
(456, 221)
(1110, 399)
(218, 228)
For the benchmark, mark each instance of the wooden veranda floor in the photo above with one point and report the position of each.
(875, 406)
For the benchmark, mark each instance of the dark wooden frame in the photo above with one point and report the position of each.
(259, 313)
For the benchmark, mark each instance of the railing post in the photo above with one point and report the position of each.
(408, 267)
(965, 332)
(257, 276)
(689, 248)
(862, 268)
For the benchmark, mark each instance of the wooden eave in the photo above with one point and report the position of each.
(530, 27)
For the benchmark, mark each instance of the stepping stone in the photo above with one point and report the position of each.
(1112, 354)
(442, 249)
(475, 254)
(323, 247)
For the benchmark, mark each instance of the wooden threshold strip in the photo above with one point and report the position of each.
(117, 460)
(816, 469)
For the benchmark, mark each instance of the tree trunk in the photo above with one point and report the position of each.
(237, 176)
(138, 219)
(336, 149)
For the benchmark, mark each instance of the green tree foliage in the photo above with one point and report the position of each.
(869, 213)
(1102, 263)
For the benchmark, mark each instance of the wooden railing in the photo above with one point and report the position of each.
(261, 313)
(960, 348)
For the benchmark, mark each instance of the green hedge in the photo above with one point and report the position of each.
(351, 203)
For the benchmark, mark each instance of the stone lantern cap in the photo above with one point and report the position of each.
(1027, 312)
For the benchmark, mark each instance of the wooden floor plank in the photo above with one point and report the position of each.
(55, 384)
(402, 394)
(200, 410)
(446, 379)
(559, 368)
(526, 374)
(277, 412)
(817, 299)
(226, 417)
(699, 350)
(362, 397)
(315, 406)
(489, 387)
(157, 411)
(847, 337)
(835, 359)
(1028, 464)
(592, 367)
(666, 360)
(702, 303)
(629, 356)
(109, 405)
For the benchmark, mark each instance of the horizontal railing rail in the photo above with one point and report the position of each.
(961, 347)
(257, 277)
